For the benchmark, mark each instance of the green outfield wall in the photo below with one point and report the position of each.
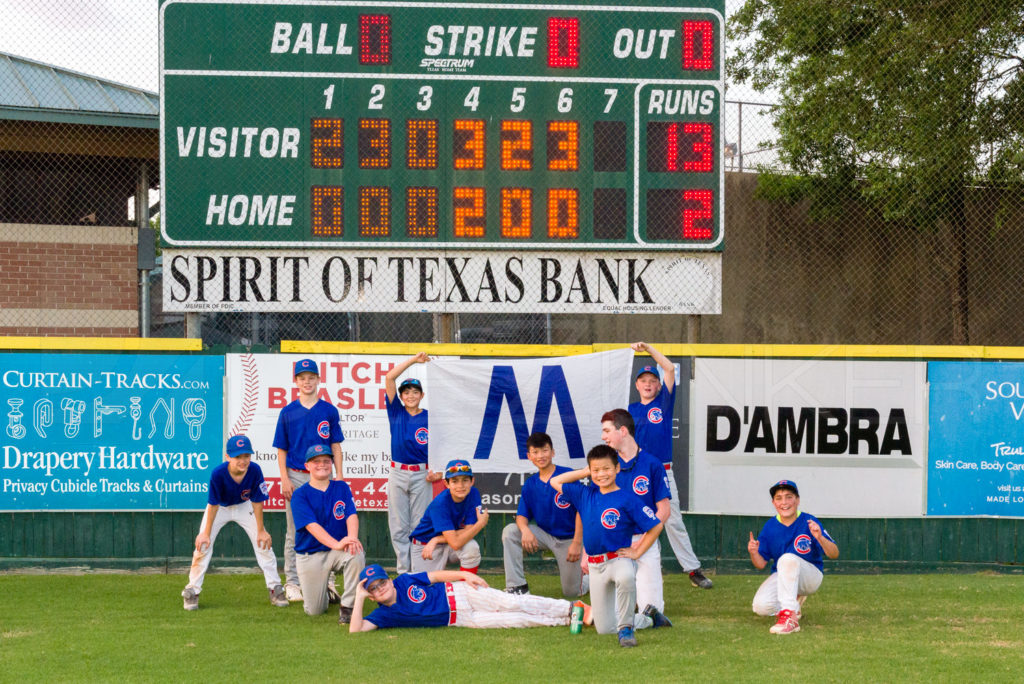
(162, 542)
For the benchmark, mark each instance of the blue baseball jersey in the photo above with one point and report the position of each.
(609, 520)
(551, 511)
(299, 428)
(418, 603)
(409, 434)
(444, 513)
(776, 539)
(329, 508)
(645, 476)
(654, 424)
(224, 491)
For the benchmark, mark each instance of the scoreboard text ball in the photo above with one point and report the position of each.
(568, 126)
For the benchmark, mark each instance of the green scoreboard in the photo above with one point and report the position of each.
(442, 125)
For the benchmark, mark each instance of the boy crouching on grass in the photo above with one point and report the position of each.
(795, 541)
(237, 492)
(326, 535)
(452, 520)
(610, 517)
(451, 598)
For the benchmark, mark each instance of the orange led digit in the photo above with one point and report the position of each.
(374, 212)
(468, 144)
(327, 214)
(470, 212)
(421, 212)
(516, 212)
(327, 142)
(374, 144)
(421, 143)
(516, 145)
(563, 213)
(563, 145)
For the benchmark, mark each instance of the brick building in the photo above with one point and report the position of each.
(75, 153)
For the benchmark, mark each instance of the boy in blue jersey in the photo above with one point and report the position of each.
(409, 480)
(794, 541)
(544, 520)
(448, 527)
(327, 536)
(449, 597)
(652, 416)
(237, 492)
(644, 476)
(610, 515)
(304, 422)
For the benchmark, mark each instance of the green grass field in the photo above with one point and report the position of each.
(104, 628)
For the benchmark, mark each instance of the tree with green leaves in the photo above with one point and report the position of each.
(904, 104)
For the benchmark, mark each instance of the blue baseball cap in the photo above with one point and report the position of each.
(307, 366)
(784, 484)
(456, 468)
(317, 450)
(410, 382)
(239, 445)
(653, 370)
(372, 573)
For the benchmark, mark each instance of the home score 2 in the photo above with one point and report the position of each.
(469, 125)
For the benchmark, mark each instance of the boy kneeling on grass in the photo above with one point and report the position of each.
(795, 541)
(446, 532)
(610, 517)
(237, 492)
(455, 598)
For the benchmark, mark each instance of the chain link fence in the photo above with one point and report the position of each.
(817, 249)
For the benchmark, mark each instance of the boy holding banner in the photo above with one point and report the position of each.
(652, 416)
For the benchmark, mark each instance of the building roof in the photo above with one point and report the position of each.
(35, 91)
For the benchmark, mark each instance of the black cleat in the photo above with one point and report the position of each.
(698, 580)
(657, 616)
(344, 615)
(521, 589)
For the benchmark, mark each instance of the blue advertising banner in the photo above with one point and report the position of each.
(975, 438)
(109, 431)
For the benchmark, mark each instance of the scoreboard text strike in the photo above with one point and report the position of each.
(447, 125)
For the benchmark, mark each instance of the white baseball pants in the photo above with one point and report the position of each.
(243, 515)
(650, 590)
(487, 608)
(795, 577)
(291, 575)
(314, 570)
(468, 557)
(574, 582)
(409, 494)
(613, 594)
(678, 537)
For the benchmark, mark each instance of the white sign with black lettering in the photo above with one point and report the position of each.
(442, 281)
(851, 434)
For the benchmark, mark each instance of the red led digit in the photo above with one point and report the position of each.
(563, 42)
(698, 45)
(703, 213)
(421, 145)
(516, 212)
(327, 143)
(563, 145)
(702, 146)
(470, 212)
(563, 213)
(374, 39)
(516, 145)
(374, 143)
(327, 211)
(468, 144)
(421, 212)
(374, 212)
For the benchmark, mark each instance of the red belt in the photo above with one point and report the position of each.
(602, 558)
(449, 591)
(414, 467)
(668, 466)
(299, 470)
